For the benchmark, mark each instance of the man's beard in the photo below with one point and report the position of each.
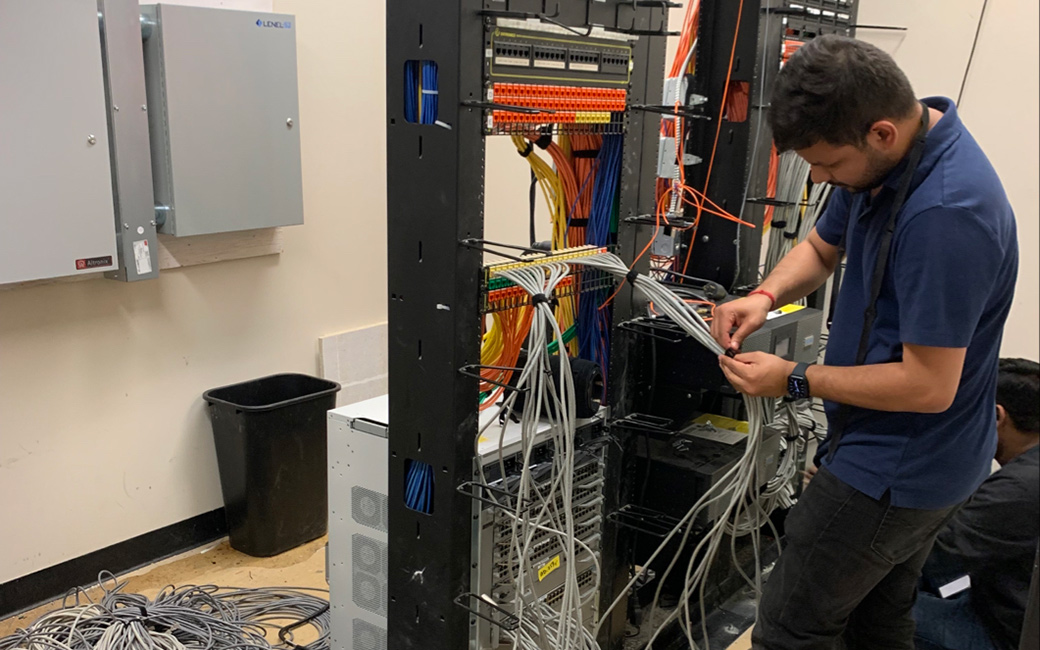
(877, 170)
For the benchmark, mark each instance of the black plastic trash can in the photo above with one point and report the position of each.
(270, 435)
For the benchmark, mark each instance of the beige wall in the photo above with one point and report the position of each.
(103, 435)
(999, 107)
(102, 430)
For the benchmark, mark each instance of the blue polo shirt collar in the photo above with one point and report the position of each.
(940, 137)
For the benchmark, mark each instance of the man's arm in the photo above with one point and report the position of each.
(803, 270)
(798, 274)
(925, 381)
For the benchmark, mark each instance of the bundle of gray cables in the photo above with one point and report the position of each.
(536, 510)
(792, 176)
(747, 507)
(192, 617)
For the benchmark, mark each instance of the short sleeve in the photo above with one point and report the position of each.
(945, 264)
(831, 224)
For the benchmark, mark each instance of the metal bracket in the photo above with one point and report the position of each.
(467, 371)
(642, 423)
(371, 427)
(492, 106)
(508, 622)
(655, 328)
(896, 28)
(644, 520)
(669, 110)
(467, 490)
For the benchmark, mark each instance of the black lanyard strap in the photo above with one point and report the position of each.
(880, 266)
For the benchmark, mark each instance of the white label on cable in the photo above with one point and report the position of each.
(142, 257)
(955, 587)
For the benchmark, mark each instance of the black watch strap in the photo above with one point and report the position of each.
(798, 374)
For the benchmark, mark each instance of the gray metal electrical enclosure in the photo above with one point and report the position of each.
(56, 209)
(223, 114)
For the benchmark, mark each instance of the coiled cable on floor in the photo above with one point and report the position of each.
(193, 617)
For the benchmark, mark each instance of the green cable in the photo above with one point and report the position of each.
(568, 336)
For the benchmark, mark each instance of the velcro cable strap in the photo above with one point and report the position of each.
(585, 153)
(527, 150)
(631, 276)
(544, 140)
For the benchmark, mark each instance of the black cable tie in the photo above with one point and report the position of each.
(539, 298)
(790, 235)
(578, 223)
(585, 153)
(631, 276)
(144, 612)
(527, 150)
(779, 224)
(544, 140)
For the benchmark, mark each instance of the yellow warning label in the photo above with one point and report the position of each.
(723, 422)
(549, 567)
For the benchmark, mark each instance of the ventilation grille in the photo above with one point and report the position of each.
(369, 508)
(369, 574)
(368, 636)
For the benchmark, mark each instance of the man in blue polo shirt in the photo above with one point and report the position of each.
(909, 379)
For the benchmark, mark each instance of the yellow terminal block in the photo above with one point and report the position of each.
(561, 255)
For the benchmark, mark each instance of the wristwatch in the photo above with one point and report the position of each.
(797, 383)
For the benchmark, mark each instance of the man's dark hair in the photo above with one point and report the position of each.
(832, 90)
(1018, 391)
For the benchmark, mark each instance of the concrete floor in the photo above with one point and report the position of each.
(219, 564)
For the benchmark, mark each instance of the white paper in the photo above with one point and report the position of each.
(955, 587)
(142, 257)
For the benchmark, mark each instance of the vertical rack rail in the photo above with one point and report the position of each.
(435, 197)
(434, 200)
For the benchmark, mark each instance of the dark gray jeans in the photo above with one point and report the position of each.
(847, 577)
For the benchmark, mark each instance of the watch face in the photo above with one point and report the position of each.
(797, 387)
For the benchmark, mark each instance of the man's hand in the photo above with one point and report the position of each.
(757, 374)
(808, 474)
(746, 315)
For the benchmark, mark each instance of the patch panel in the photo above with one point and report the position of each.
(514, 54)
(583, 60)
(524, 54)
(549, 57)
(615, 63)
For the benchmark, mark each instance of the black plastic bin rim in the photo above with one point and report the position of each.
(331, 389)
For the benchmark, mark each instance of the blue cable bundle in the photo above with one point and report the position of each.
(418, 494)
(429, 93)
(604, 193)
(411, 91)
(593, 322)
